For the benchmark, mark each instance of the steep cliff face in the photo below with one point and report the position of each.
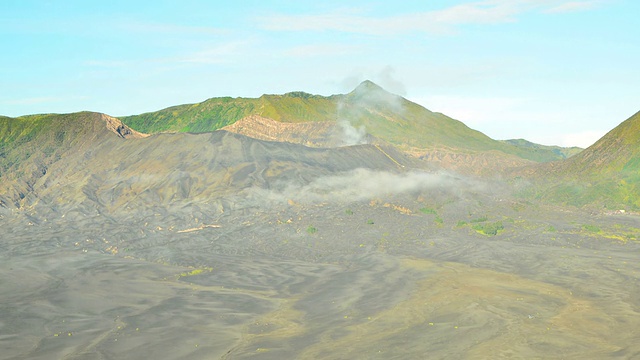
(119, 128)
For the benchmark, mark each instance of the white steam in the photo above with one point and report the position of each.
(348, 134)
(387, 79)
(361, 184)
(367, 102)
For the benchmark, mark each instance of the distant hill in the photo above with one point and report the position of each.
(546, 153)
(368, 110)
(606, 173)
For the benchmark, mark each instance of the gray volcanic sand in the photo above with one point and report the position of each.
(375, 280)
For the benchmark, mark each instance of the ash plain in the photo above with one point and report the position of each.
(403, 275)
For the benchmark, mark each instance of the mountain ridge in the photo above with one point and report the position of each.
(605, 173)
(368, 109)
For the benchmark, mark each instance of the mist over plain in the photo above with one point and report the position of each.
(366, 184)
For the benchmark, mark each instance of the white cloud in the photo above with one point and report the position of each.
(320, 50)
(388, 80)
(478, 12)
(436, 21)
(173, 29)
(572, 6)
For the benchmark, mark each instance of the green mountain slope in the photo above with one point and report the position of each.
(607, 173)
(216, 113)
(616, 152)
(379, 113)
(209, 115)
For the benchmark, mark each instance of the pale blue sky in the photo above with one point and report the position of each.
(551, 71)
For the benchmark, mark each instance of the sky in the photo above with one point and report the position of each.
(555, 72)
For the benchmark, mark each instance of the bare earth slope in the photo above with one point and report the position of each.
(30, 145)
(103, 173)
(313, 134)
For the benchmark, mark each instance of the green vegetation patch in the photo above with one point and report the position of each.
(591, 228)
(209, 115)
(195, 272)
(426, 210)
(490, 229)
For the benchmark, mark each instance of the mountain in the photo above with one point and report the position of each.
(367, 114)
(607, 173)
